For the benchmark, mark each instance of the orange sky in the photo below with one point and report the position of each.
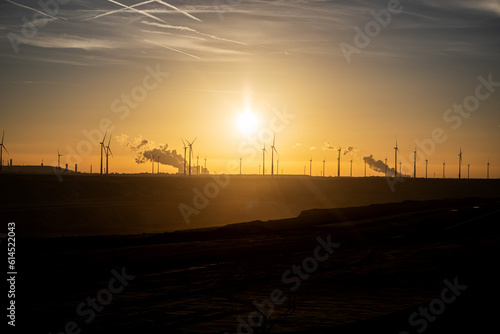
(68, 80)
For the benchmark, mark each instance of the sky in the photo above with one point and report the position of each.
(317, 75)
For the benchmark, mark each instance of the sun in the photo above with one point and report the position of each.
(247, 122)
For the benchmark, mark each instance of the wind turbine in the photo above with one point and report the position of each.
(310, 166)
(444, 165)
(415, 163)
(350, 174)
(400, 163)
(264, 160)
(2, 147)
(278, 165)
(153, 164)
(273, 149)
(324, 161)
(103, 148)
(426, 163)
(460, 164)
(190, 153)
(468, 171)
(59, 155)
(185, 148)
(488, 169)
(338, 159)
(197, 165)
(396, 149)
(240, 164)
(108, 153)
(385, 172)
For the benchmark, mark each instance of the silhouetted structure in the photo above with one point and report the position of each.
(460, 164)
(103, 148)
(396, 159)
(2, 147)
(338, 171)
(108, 153)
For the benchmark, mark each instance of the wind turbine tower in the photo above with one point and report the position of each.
(444, 165)
(59, 155)
(426, 164)
(415, 163)
(2, 147)
(273, 149)
(350, 174)
(264, 159)
(324, 162)
(488, 169)
(385, 172)
(185, 148)
(103, 149)
(396, 160)
(190, 144)
(310, 166)
(338, 161)
(460, 164)
(108, 153)
(468, 171)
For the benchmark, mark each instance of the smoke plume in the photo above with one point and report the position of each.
(145, 150)
(327, 146)
(378, 165)
(350, 149)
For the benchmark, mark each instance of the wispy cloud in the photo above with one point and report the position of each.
(182, 28)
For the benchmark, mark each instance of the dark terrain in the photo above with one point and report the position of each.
(391, 259)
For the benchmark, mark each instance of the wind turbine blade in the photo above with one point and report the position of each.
(4, 149)
(194, 140)
(3, 135)
(103, 139)
(183, 143)
(109, 141)
(109, 150)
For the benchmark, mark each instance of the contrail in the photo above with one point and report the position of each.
(170, 34)
(187, 54)
(36, 10)
(120, 10)
(181, 11)
(138, 11)
(167, 26)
